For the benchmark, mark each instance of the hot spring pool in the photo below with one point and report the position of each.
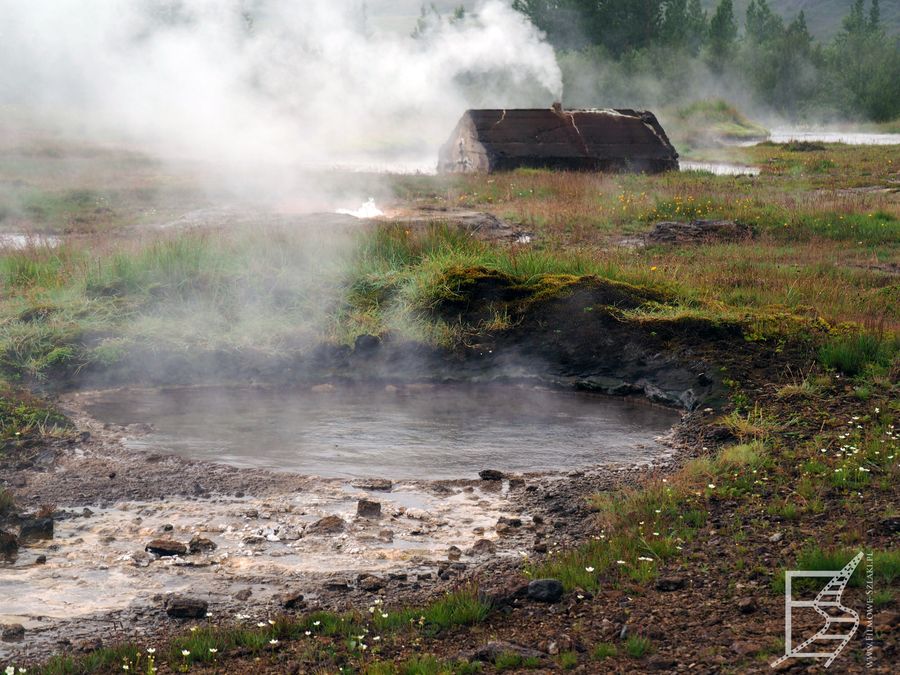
(444, 431)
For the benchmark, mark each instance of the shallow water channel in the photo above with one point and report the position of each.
(414, 431)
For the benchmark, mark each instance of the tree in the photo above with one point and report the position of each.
(722, 34)
(874, 16)
(683, 25)
(762, 22)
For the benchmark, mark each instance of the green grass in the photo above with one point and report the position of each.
(885, 564)
(513, 661)
(853, 354)
(22, 415)
(458, 608)
(637, 646)
(567, 660)
(603, 651)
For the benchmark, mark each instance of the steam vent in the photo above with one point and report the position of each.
(577, 140)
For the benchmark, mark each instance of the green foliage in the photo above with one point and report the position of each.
(624, 44)
(513, 661)
(851, 355)
(637, 646)
(604, 650)
(885, 567)
(567, 660)
(22, 414)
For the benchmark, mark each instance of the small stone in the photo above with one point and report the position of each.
(366, 508)
(141, 559)
(41, 560)
(747, 605)
(659, 663)
(243, 595)
(166, 547)
(253, 540)
(454, 553)
(201, 545)
(89, 645)
(494, 650)
(183, 607)
(512, 522)
(545, 590)
(483, 547)
(293, 600)
(666, 584)
(775, 538)
(327, 525)
(745, 648)
(369, 583)
(12, 632)
(490, 474)
(889, 525)
(539, 547)
(35, 529)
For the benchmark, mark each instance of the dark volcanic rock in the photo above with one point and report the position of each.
(493, 650)
(369, 583)
(12, 632)
(293, 600)
(378, 484)
(166, 547)
(183, 607)
(9, 546)
(366, 508)
(747, 605)
(670, 583)
(490, 474)
(327, 525)
(483, 547)
(35, 529)
(545, 590)
(201, 544)
(889, 525)
(698, 231)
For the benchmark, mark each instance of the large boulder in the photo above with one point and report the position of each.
(545, 590)
(327, 525)
(183, 607)
(9, 546)
(166, 547)
(35, 529)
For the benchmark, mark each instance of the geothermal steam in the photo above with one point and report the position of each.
(263, 82)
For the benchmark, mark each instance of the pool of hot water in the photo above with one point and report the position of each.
(413, 431)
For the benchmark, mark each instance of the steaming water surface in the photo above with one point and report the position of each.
(447, 431)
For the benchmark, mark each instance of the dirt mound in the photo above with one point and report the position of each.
(698, 232)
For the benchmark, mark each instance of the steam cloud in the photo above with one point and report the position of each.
(261, 82)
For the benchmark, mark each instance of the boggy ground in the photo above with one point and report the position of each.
(788, 459)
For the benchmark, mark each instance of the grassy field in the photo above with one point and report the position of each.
(817, 438)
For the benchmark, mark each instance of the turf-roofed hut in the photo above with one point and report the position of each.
(575, 140)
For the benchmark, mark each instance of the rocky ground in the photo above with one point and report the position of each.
(135, 543)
